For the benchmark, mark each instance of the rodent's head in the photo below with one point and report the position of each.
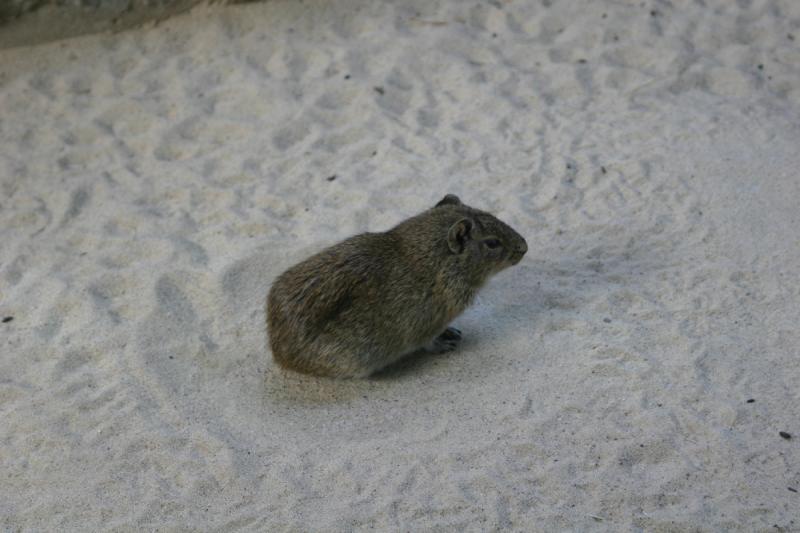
(487, 244)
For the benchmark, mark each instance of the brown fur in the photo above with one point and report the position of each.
(364, 303)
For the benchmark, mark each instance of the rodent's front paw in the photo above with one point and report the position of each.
(451, 333)
(447, 341)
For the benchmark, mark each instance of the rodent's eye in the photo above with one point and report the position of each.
(492, 243)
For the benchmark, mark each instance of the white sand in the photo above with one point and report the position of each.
(152, 184)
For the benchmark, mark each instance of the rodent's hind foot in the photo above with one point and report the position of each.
(447, 341)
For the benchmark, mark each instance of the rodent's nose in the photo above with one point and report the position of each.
(519, 251)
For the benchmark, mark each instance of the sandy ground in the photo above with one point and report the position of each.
(153, 182)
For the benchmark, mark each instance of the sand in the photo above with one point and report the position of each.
(154, 182)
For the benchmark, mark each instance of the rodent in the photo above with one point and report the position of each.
(366, 302)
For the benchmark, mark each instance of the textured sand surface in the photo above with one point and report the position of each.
(152, 184)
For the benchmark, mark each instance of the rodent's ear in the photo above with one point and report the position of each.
(450, 199)
(458, 235)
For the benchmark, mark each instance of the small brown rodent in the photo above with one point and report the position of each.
(366, 302)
